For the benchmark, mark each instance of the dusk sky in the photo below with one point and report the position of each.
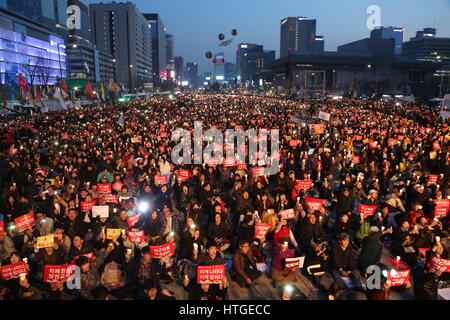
(197, 23)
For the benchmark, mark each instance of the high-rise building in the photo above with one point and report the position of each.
(426, 33)
(170, 52)
(319, 44)
(122, 30)
(179, 67)
(297, 34)
(395, 33)
(219, 67)
(158, 36)
(230, 71)
(250, 59)
(192, 73)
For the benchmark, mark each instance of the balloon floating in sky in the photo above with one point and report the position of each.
(221, 36)
(208, 54)
(234, 32)
(214, 61)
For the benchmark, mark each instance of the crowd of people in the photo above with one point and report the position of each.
(373, 181)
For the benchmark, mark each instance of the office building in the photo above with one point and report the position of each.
(297, 34)
(121, 30)
(230, 71)
(426, 33)
(395, 33)
(219, 67)
(319, 44)
(170, 52)
(179, 67)
(158, 36)
(251, 59)
(191, 73)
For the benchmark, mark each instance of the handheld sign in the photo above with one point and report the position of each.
(210, 274)
(163, 250)
(24, 222)
(433, 178)
(366, 211)
(261, 229)
(294, 263)
(258, 171)
(313, 203)
(112, 234)
(183, 175)
(100, 211)
(87, 205)
(398, 278)
(161, 179)
(441, 208)
(287, 214)
(104, 187)
(13, 271)
(89, 255)
(441, 264)
(110, 198)
(45, 241)
(133, 220)
(2, 228)
(136, 236)
(62, 272)
(304, 184)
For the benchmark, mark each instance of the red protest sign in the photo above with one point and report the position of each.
(133, 220)
(392, 142)
(12, 271)
(366, 211)
(163, 250)
(161, 179)
(110, 198)
(293, 143)
(436, 145)
(294, 263)
(398, 278)
(261, 229)
(257, 171)
(104, 187)
(89, 255)
(210, 274)
(163, 134)
(87, 205)
(440, 264)
(183, 175)
(423, 251)
(25, 221)
(229, 162)
(242, 166)
(442, 207)
(313, 203)
(136, 236)
(287, 214)
(356, 159)
(432, 178)
(62, 272)
(2, 227)
(304, 184)
(399, 264)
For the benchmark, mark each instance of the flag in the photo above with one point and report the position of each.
(114, 87)
(22, 83)
(63, 84)
(89, 91)
(225, 43)
(37, 94)
(121, 120)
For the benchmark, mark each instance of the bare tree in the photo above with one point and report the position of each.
(38, 69)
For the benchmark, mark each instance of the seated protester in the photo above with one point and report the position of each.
(13, 284)
(386, 219)
(394, 201)
(101, 293)
(246, 230)
(6, 246)
(281, 203)
(74, 223)
(51, 255)
(403, 243)
(415, 212)
(90, 277)
(58, 291)
(61, 239)
(371, 251)
(261, 249)
(188, 239)
(342, 262)
(282, 230)
(343, 225)
(170, 226)
(78, 248)
(316, 264)
(243, 268)
(28, 292)
(29, 240)
(196, 213)
(98, 227)
(437, 250)
(218, 232)
(140, 268)
(345, 201)
(279, 255)
(363, 230)
(152, 228)
(120, 221)
(426, 283)
(152, 291)
(210, 258)
(425, 236)
(383, 291)
(205, 291)
(310, 230)
(263, 203)
(44, 225)
(5, 294)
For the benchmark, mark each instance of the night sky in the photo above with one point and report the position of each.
(197, 23)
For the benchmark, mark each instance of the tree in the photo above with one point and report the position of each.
(38, 69)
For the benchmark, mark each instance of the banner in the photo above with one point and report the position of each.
(316, 128)
(161, 179)
(87, 205)
(24, 222)
(110, 198)
(61, 272)
(313, 203)
(163, 250)
(13, 271)
(441, 208)
(304, 184)
(294, 263)
(287, 214)
(104, 187)
(45, 241)
(398, 278)
(210, 274)
(440, 264)
(2, 228)
(100, 211)
(261, 229)
(324, 116)
(133, 220)
(366, 211)
(89, 255)
(136, 236)
(112, 234)
(257, 171)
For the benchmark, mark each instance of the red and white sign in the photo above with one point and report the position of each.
(87, 205)
(133, 220)
(2, 227)
(293, 143)
(304, 184)
(24, 222)
(161, 179)
(163, 250)
(440, 264)
(242, 166)
(104, 187)
(294, 263)
(366, 211)
(442, 207)
(62, 272)
(433, 178)
(13, 270)
(356, 159)
(89, 255)
(398, 264)
(398, 278)
(229, 162)
(136, 236)
(183, 175)
(287, 214)
(257, 171)
(210, 274)
(261, 229)
(110, 198)
(313, 203)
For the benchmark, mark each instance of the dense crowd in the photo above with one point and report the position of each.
(374, 181)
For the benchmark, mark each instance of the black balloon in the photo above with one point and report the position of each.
(208, 54)
(234, 32)
(214, 60)
(221, 36)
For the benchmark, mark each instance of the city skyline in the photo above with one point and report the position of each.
(195, 24)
